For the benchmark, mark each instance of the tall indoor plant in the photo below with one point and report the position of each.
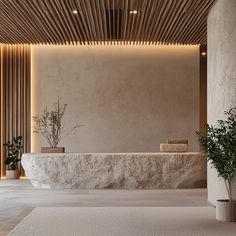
(219, 144)
(13, 150)
(51, 126)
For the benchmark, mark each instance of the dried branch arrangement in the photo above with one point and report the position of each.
(50, 124)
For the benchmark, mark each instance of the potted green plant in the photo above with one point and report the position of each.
(50, 125)
(219, 144)
(13, 150)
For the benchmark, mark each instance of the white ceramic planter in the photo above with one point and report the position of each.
(12, 174)
(226, 210)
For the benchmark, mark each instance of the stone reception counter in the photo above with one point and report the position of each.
(115, 170)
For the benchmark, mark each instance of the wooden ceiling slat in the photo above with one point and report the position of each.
(183, 23)
(203, 39)
(137, 21)
(154, 12)
(177, 7)
(125, 19)
(9, 27)
(156, 18)
(143, 15)
(104, 21)
(19, 11)
(109, 18)
(192, 13)
(71, 20)
(43, 24)
(202, 26)
(129, 19)
(159, 21)
(168, 19)
(147, 19)
(32, 24)
(63, 22)
(173, 29)
(91, 21)
(12, 22)
(54, 12)
(132, 18)
(199, 24)
(85, 29)
(103, 13)
(36, 22)
(52, 23)
(74, 23)
(114, 33)
(10, 36)
(193, 22)
(79, 23)
(118, 18)
(98, 23)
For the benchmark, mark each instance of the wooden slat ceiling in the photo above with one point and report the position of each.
(102, 21)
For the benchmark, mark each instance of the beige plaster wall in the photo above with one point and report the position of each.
(221, 76)
(129, 98)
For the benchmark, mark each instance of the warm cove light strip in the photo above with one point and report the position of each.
(114, 43)
(31, 98)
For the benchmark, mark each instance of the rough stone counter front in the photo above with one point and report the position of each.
(115, 170)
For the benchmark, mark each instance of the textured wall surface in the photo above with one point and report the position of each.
(119, 170)
(221, 74)
(129, 98)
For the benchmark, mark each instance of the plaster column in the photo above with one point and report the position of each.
(221, 76)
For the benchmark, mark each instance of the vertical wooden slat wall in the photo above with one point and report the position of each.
(15, 97)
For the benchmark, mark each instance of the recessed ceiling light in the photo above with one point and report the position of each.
(204, 53)
(75, 12)
(133, 12)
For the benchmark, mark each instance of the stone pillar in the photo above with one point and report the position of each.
(221, 76)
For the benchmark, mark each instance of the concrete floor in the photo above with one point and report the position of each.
(18, 198)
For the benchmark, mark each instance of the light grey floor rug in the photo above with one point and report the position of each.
(123, 221)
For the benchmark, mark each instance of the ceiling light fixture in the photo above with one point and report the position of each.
(203, 53)
(133, 12)
(75, 12)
